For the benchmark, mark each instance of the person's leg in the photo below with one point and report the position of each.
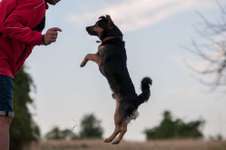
(4, 132)
(6, 110)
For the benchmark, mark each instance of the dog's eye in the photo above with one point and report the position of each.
(101, 24)
(97, 24)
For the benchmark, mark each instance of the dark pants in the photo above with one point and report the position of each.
(6, 96)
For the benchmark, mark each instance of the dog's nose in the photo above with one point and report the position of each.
(90, 30)
(87, 29)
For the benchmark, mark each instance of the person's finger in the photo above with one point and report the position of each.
(54, 36)
(53, 31)
(56, 29)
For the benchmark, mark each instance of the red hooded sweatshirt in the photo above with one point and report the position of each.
(21, 23)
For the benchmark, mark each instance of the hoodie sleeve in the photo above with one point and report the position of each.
(13, 27)
(6, 6)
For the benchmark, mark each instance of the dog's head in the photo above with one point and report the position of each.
(103, 28)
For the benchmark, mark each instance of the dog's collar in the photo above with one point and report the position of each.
(105, 40)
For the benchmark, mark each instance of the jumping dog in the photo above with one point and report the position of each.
(112, 61)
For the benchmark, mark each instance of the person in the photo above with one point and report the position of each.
(21, 25)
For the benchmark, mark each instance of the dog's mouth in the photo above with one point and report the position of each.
(90, 30)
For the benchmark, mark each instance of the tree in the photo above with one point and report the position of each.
(212, 50)
(57, 134)
(170, 128)
(23, 130)
(90, 127)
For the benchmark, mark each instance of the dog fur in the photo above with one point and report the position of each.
(112, 61)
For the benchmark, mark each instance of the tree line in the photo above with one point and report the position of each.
(169, 128)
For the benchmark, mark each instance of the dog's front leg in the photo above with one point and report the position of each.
(91, 57)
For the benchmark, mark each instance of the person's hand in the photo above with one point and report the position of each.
(51, 35)
(52, 2)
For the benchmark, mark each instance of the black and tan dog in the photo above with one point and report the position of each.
(111, 59)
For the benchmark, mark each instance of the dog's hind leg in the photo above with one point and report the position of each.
(114, 134)
(122, 133)
(117, 119)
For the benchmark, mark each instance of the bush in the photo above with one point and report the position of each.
(90, 127)
(170, 128)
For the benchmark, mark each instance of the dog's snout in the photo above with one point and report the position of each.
(90, 30)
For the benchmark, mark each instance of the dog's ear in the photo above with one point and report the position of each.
(101, 18)
(110, 22)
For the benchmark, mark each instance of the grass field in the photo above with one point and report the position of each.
(152, 145)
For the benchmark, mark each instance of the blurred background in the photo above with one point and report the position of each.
(180, 44)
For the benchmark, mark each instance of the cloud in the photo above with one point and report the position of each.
(132, 15)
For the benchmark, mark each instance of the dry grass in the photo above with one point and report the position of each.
(153, 145)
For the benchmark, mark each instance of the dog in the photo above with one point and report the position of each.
(112, 61)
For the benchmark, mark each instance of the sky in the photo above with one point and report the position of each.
(155, 32)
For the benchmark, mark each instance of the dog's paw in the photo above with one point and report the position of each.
(115, 142)
(107, 140)
(83, 64)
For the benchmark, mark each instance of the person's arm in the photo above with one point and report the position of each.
(17, 31)
(12, 26)
(6, 6)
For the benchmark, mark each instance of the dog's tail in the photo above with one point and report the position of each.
(145, 88)
(129, 109)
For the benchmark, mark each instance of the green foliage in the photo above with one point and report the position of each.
(23, 130)
(90, 127)
(57, 134)
(170, 128)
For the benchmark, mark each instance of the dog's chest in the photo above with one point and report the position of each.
(102, 51)
(106, 51)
